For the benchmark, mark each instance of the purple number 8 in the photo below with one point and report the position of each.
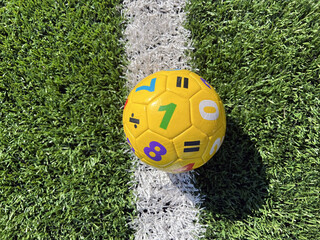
(152, 149)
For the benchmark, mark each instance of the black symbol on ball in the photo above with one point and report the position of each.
(185, 82)
(134, 120)
(192, 146)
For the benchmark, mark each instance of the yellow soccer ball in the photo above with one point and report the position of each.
(174, 121)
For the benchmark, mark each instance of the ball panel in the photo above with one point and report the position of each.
(223, 115)
(215, 142)
(205, 111)
(191, 143)
(169, 115)
(135, 118)
(201, 81)
(131, 140)
(182, 84)
(157, 151)
(148, 88)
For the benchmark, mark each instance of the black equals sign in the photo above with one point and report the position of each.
(185, 82)
(191, 146)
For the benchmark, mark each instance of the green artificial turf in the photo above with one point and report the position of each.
(63, 171)
(263, 59)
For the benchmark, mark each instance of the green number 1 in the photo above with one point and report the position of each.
(167, 116)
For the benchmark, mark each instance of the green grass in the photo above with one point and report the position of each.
(63, 172)
(263, 59)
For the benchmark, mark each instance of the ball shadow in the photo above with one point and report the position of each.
(234, 181)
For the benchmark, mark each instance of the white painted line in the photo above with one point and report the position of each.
(168, 205)
(156, 38)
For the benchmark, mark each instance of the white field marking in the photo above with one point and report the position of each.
(168, 205)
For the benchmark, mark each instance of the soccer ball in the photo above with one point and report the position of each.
(174, 120)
